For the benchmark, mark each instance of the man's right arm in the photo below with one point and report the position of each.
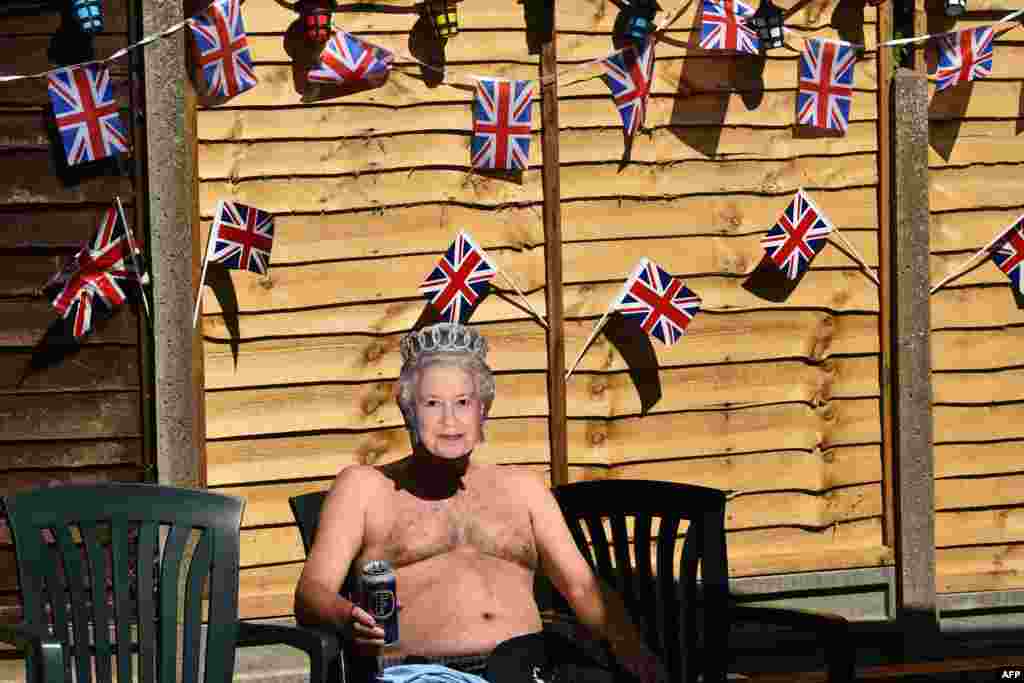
(339, 537)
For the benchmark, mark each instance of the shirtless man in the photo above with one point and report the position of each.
(464, 538)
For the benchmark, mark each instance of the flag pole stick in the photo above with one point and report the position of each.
(512, 283)
(143, 277)
(856, 255)
(593, 334)
(962, 268)
(202, 278)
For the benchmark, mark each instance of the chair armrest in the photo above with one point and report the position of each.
(834, 630)
(44, 650)
(320, 644)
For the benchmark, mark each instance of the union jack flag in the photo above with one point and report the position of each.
(92, 284)
(661, 304)
(460, 278)
(222, 50)
(1008, 253)
(798, 236)
(501, 124)
(87, 117)
(826, 84)
(630, 74)
(241, 237)
(347, 60)
(964, 56)
(723, 27)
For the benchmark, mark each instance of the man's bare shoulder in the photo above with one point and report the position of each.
(527, 483)
(357, 479)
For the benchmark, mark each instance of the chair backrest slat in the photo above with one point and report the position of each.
(668, 597)
(601, 548)
(623, 562)
(644, 589)
(145, 570)
(100, 615)
(74, 578)
(125, 615)
(198, 571)
(170, 576)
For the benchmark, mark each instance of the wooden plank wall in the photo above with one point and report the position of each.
(80, 420)
(975, 160)
(779, 401)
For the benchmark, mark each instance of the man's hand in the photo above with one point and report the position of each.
(362, 631)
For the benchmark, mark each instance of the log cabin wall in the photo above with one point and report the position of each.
(975, 161)
(776, 401)
(81, 419)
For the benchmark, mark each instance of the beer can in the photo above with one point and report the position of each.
(378, 595)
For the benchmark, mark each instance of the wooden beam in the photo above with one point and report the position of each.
(553, 249)
(169, 192)
(885, 120)
(912, 376)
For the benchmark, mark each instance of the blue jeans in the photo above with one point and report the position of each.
(425, 673)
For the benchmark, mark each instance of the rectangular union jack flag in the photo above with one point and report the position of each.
(1008, 253)
(241, 237)
(798, 236)
(347, 60)
(826, 84)
(95, 281)
(87, 117)
(964, 56)
(460, 278)
(502, 111)
(222, 50)
(661, 304)
(723, 26)
(629, 74)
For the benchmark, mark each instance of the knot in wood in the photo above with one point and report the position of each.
(374, 352)
(598, 387)
(597, 438)
(266, 283)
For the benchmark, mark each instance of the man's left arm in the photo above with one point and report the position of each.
(597, 606)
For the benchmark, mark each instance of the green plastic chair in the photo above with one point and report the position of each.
(115, 572)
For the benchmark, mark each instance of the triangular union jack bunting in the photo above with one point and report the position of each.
(95, 281)
(1008, 253)
(222, 50)
(241, 237)
(349, 61)
(964, 56)
(661, 304)
(797, 237)
(87, 117)
(629, 74)
(502, 110)
(460, 278)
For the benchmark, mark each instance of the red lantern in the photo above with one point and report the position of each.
(316, 20)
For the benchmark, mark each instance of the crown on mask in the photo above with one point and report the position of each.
(443, 338)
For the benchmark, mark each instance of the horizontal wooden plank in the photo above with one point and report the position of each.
(31, 179)
(91, 368)
(988, 99)
(577, 16)
(965, 307)
(975, 142)
(982, 568)
(391, 188)
(978, 423)
(977, 459)
(987, 349)
(980, 387)
(709, 387)
(38, 455)
(26, 321)
(986, 272)
(60, 228)
(357, 234)
(738, 337)
(979, 186)
(25, 129)
(981, 492)
(258, 159)
(32, 417)
(967, 231)
(23, 274)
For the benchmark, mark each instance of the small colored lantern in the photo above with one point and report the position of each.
(767, 21)
(640, 19)
(443, 16)
(316, 20)
(88, 14)
(955, 8)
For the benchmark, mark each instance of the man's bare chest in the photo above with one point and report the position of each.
(413, 530)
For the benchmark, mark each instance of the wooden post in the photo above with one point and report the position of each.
(170, 197)
(912, 377)
(885, 122)
(553, 252)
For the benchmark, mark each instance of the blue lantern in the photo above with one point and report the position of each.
(639, 19)
(88, 14)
